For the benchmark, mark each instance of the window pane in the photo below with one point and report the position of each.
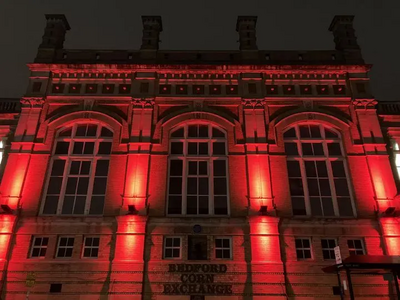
(318, 150)
(197, 247)
(96, 205)
(176, 148)
(203, 148)
(219, 148)
(298, 206)
(81, 130)
(341, 187)
(91, 130)
(315, 132)
(334, 149)
(176, 167)
(75, 166)
(174, 204)
(313, 189)
(345, 208)
(50, 205)
(220, 186)
(62, 148)
(291, 149)
(293, 168)
(338, 168)
(327, 206)
(192, 167)
(220, 205)
(310, 169)
(203, 167)
(330, 134)
(71, 185)
(316, 209)
(307, 149)
(65, 132)
(192, 148)
(304, 131)
(321, 167)
(54, 185)
(219, 168)
(296, 187)
(85, 168)
(191, 186)
(105, 132)
(78, 148)
(192, 131)
(191, 205)
(203, 205)
(89, 148)
(83, 185)
(178, 133)
(105, 147)
(203, 186)
(99, 186)
(58, 167)
(291, 133)
(68, 205)
(217, 133)
(324, 187)
(203, 130)
(102, 167)
(79, 208)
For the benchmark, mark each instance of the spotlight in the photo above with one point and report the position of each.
(7, 209)
(263, 210)
(390, 210)
(132, 210)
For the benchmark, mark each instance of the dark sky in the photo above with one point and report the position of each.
(207, 24)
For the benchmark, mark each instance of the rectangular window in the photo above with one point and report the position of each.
(198, 89)
(356, 247)
(57, 88)
(165, 89)
(144, 87)
(39, 247)
(91, 247)
(328, 250)
(223, 248)
(108, 88)
(55, 287)
(172, 247)
(396, 157)
(197, 247)
(303, 248)
(74, 88)
(91, 88)
(65, 247)
(124, 88)
(296, 188)
(252, 88)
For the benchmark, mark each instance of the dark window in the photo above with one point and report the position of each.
(328, 248)
(144, 87)
(65, 247)
(289, 90)
(223, 248)
(91, 247)
(322, 89)
(252, 88)
(197, 247)
(124, 88)
(36, 87)
(74, 88)
(58, 88)
(55, 287)
(356, 247)
(165, 89)
(305, 89)
(91, 88)
(360, 86)
(172, 247)
(215, 89)
(271, 89)
(198, 89)
(339, 89)
(181, 89)
(108, 88)
(39, 246)
(303, 249)
(231, 89)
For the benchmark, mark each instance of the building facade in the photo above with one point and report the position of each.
(153, 174)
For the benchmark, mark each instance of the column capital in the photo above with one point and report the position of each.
(32, 102)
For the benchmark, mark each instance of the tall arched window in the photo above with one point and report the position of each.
(198, 183)
(318, 175)
(78, 171)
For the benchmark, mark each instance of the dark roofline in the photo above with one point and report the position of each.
(338, 18)
(59, 17)
(240, 18)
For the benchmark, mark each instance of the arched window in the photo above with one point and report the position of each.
(318, 175)
(198, 183)
(78, 171)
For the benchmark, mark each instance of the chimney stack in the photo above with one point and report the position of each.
(246, 27)
(53, 37)
(152, 27)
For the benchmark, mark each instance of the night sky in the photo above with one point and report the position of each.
(203, 25)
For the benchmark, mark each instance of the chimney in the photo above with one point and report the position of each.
(152, 26)
(246, 27)
(54, 32)
(53, 37)
(343, 33)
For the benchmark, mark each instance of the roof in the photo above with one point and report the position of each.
(364, 262)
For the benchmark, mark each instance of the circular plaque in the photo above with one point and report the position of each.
(197, 228)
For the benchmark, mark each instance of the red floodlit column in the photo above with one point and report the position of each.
(391, 234)
(7, 223)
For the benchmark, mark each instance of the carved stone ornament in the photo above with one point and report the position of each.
(253, 103)
(88, 104)
(198, 105)
(32, 102)
(143, 103)
(308, 104)
(365, 103)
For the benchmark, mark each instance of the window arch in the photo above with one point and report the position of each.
(317, 169)
(77, 178)
(198, 168)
